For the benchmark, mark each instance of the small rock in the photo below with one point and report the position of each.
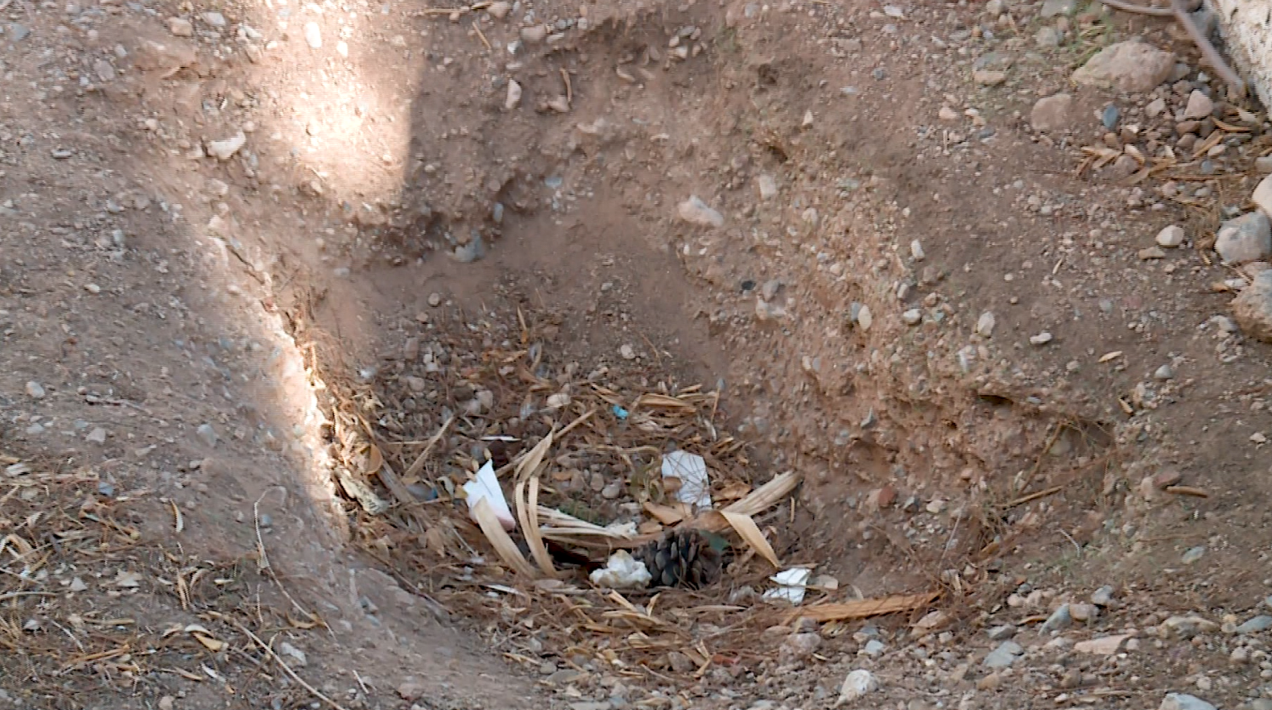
(1262, 197)
(1170, 237)
(947, 114)
(1264, 165)
(912, 316)
(989, 77)
(499, 10)
(1103, 646)
(180, 28)
(1183, 701)
(1186, 627)
(1131, 66)
(18, 32)
(1083, 612)
(1253, 308)
(1053, 8)
(513, 98)
(985, 324)
(34, 390)
(627, 352)
(1006, 654)
(225, 149)
(1155, 108)
(1059, 619)
(916, 250)
(1051, 113)
(681, 663)
(1102, 597)
(96, 436)
(313, 35)
(798, 647)
(858, 683)
(863, 319)
(1151, 253)
(1199, 105)
(1163, 373)
(1244, 239)
(1040, 339)
(1193, 555)
(215, 19)
(104, 70)
(873, 648)
(767, 186)
(1002, 633)
(535, 34)
(1263, 622)
(411, 688)
(297, 655)
(77, 585)
(1048, 37)
(207, 434)
(695, 211)
(435, 299)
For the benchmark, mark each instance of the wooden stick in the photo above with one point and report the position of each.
(286, 668)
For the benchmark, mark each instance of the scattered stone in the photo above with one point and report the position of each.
(1163, 373)
(34, 390)
(1185, 627)
(1006, 654)
(1048, 37)
(215, 19)
(1131, 66)
(18, 32)
(514, 95)
(1155, 108)
(1253, 308)
(857, 684)
(225, 149)
(1053, 8)
(912, 316)
(535, 34)
(695, 211)
(1040, 339)
(862, 318)
(1199, 105)
(947, 114)
(411, 688)
(1170, 237)
(989, 77)
(681, 663)
(180, 27)
(77, 585)
(1083, 612)
(1051, 113)
(1184, 701)
(798, 647)
(1262, 197)
(499, 10)
(1193, 555)
(96, 436)
(1263, 622)
(293, 653)
(313, 35)
(873, 648)
(767, 186)
(627, 352)
(104, 70)
(207, 434)
(1103, 646)
(470, 252)
(1263, 164)
(1102, 597)
(1002, 633)
(985, 324)
(1059, 619)
(916, 250)
(1151, 253)
(1244, 239)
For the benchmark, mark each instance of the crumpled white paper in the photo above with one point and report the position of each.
(691, 469)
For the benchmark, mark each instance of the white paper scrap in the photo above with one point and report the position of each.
(691, 469)
(792, 585)
(486, 485)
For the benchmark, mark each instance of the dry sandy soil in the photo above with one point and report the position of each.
(230, 227)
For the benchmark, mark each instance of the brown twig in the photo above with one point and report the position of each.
(286, 668)
(264, 558)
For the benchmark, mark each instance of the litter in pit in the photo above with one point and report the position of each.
(607, 482)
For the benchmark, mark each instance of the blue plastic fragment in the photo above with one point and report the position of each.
(620, 412)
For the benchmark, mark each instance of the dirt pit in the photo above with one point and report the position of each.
(280, 279)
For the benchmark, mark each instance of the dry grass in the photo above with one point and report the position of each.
(90, 601)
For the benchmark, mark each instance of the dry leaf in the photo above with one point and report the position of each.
(866, 608)
(750, 532)
(527, 513)
(498, 537)
(128, 580)
(665, 514)
(212, 644)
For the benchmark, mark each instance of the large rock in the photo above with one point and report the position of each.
(1253, 308)
(1244, 239)
(1262, 196)
(1051, 113)
(1131, 66)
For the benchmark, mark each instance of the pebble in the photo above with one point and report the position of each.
(1163, 373)
(1263, 164)
(77, 585)
(1184, 701)
(207, 434)
(104, 70)
(297, 655)
(857, 684)
(862, 317)
(1193, 555)
(435, 299)
(96, 436)
(873, 648)
(1263, 622)
(499, 10)
(1053, 8)
(1262, 197)
(799, 646)
(214, 19)
(627, 352)
(535, 34)
(767, 186)
(1170, 237)
(225, 149)
(1102, 646)
(1059, 619)
(1244, 239)
(695, 211)
(681, 663)
(1051, 113)
(1048, 36)
(1083, 612)
(912, 316)
(989, 77)
(916, 250)
(1199, 105)
(1252, 309)
(18, 32)
(513, 98)
(1040, 339)
(34, 390)
(985, 324)
(313, 35)
(1001, 633)
(180, 27)
(1006, 654)
(1131, 67)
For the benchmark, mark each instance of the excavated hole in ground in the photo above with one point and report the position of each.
(587, 275)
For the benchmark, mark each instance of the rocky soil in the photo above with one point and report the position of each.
(992, 276)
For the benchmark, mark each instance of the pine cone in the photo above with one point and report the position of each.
(681, 558)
